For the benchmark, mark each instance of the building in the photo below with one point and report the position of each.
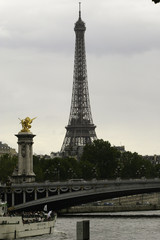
(80, 129)
(55, 155)
(5, 149)
(154, 159)
(120, 148)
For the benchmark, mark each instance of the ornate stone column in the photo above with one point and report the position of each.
(25, 173)
(25, 158)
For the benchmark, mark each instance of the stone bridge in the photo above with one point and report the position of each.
(59, 195)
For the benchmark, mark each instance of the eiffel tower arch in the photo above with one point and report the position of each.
(80, 129)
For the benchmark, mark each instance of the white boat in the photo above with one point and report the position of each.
(25, 225)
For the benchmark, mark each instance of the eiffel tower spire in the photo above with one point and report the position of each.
(80, 128)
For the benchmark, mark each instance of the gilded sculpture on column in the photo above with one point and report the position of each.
(26, 124)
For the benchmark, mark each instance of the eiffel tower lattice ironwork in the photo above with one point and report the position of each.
(80, 129)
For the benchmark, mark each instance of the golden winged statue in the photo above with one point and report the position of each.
(26, 124)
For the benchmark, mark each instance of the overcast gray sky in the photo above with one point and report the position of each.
(37, 44)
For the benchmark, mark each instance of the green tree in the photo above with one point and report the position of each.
(135, 166)
(103, 157)
(56, 169)
(7, 165)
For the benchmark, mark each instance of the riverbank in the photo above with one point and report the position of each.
(108, 209)
(141, 202)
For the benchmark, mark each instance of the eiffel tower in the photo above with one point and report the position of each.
(80, 129)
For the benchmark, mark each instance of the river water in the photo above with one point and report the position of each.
(123, 226)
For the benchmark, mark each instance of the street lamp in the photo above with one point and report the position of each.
(47, 173)
(142, 171)
(58, 171)
(94, 172)
(158, 173)
(70, 173)
(138, 173)
(118, 171)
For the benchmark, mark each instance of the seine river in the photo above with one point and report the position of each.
(134, 226)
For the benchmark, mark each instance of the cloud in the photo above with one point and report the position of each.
(37, 43)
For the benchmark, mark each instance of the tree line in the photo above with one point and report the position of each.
(99, 161)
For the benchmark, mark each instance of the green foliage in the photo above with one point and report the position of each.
(7, 165)
(86, 169)
(110, 163)
(99, 160)
(55, 169)
(103, 157)
(135, 166)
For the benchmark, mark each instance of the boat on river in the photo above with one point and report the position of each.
(15, 226)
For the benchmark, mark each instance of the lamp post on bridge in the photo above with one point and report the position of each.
(49, 175)
(117, 175)
(94, 172)
(70, 173)
(138, 173)
(56, 172)
(46, 173)
(158, 173)
(143, 171)
(118, 172)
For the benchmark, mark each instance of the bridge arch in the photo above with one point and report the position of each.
(90, 192)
